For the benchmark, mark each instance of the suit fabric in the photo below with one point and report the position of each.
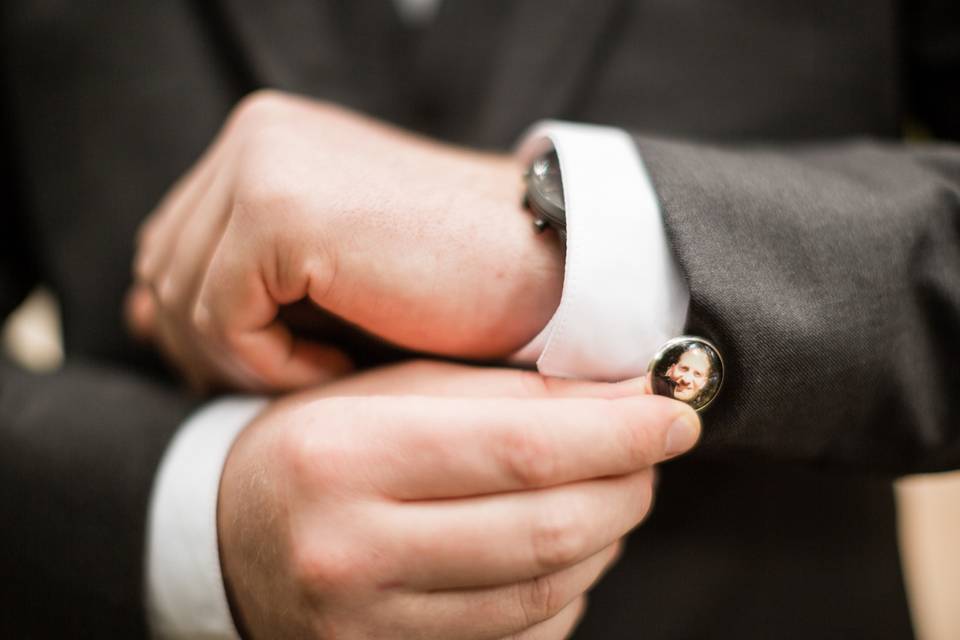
(822, 254)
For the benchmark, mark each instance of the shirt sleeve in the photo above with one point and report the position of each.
(186, 597)
(623, 294)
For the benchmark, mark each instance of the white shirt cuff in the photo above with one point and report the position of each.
(186, 597)
(623, 295)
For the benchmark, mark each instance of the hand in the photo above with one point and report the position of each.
(487, 513)
(422, 244)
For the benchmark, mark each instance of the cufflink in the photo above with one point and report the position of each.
(686, 368)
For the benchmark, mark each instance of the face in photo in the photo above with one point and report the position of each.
(688, 369)
(690, 374)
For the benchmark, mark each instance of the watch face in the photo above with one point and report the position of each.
(546, 186)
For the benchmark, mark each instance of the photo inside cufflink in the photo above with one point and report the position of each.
(688, 369)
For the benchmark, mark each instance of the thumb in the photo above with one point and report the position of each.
(273, 359)
(248, 279)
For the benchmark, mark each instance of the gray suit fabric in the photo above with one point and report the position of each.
(821, 253)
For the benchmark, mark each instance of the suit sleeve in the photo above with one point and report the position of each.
(830, 279)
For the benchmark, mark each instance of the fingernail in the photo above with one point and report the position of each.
(683, 434)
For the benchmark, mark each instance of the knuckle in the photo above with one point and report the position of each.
(533, 384)
(269, 201)
(250, 202)
(143, 266)
(200, 320)
(636, 498)
(421, 367)
(304, 455)
(269, 191)
(168, 292)
(327, 569)
(316, 458)
(295, 451)
(557, 538)
(644, 496)
(259, 106)
(339, 625)
(528, 457)
(639, 446)
(538, 599)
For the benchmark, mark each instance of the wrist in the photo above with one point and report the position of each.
(524, 275)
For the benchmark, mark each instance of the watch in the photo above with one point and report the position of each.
(544, 194)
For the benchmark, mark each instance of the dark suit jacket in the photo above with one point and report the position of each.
(823, 258)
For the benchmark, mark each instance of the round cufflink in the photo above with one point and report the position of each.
(687, 368)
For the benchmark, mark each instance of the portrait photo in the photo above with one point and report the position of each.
(687, 369)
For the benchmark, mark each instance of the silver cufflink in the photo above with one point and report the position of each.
(689, 369)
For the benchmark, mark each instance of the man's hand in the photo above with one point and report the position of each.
(487, 513)
(422, 244)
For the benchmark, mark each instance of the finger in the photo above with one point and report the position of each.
(456, 447)
(177, 288)
(183, 355)
(498, 611)
(248, 278)
(147, 320)
(141, 312)
(278, 360)
(558, 627)
(181, 271)
(508, 538)
(158, 235)
(436, 378)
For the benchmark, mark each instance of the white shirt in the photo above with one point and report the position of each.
(622, 298)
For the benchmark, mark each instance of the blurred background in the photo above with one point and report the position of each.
(929, 505)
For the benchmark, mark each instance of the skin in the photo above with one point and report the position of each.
(422, 244)
(485, 510)
(690, 374)
(427, 500)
